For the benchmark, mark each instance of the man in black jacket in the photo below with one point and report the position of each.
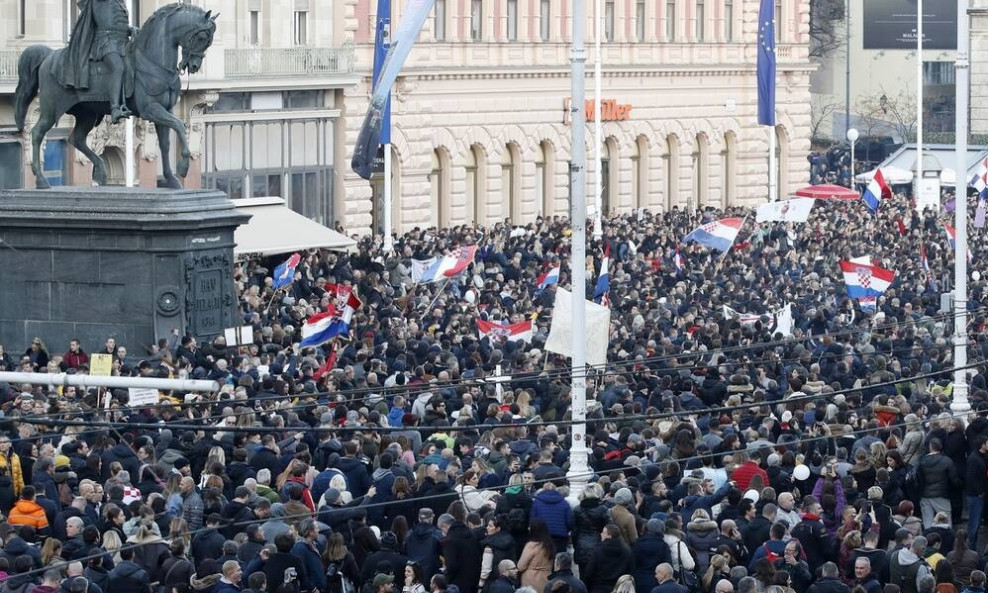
(829, 581)
(208, 543)
(937, 476)
(563, 571)
(460, 548)
(422, 544)
(610, 560)
(127, 576)
(864, 577)
(975, 482)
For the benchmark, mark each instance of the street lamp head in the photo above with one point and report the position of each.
(852, 135)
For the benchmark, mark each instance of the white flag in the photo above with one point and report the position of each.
(598, 324)
(420, 267)
(794, 210)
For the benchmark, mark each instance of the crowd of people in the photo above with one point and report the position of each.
(725, 455)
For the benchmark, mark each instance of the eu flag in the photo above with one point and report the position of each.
(382, 42)
(766, 63)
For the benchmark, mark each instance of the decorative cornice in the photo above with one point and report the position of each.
(645, 72)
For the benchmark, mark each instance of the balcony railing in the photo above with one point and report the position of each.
(8, 65)
(288, 62)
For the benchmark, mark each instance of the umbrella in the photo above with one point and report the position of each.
(828, 192)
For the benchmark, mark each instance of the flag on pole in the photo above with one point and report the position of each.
(317, 329)
(952, 240)
(547, 278)
(901, 225)
(717, 234)
(382, 43)
(877, 190)
(369, 137)
(284, 274)
(766, 63)
(449, 265)
(328, 366)
(864, 281)
(602, 290)
(507, 332)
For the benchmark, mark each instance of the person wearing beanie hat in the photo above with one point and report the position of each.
(622, 516)
(388, 559)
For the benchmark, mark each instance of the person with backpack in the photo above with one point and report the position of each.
(342, 572)
(498, 545)
(773, 549)
(516, 504)
(907, 566)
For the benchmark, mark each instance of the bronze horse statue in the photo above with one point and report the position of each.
(151, 87)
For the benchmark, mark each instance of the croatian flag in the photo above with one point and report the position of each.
(334, 322)
(284, 274)
(677, 260)
(877, 190)
(600, 292)
(503, 331)
(318, 328)
(952, 239)
(868, 305)
(719, 234)
(547, 278)
(450, 265)
(864, 281)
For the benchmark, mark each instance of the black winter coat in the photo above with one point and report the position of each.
(611, 559)
(128, 577)
(463, 560)
(648, 552)
(422, 545)
(589, 519)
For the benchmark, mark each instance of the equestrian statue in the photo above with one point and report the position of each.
(110, 68)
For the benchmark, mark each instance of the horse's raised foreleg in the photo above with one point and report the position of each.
(84, 123)
(163, 118)
(45, 123)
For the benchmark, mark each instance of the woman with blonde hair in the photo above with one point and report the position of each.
(624, 584)
(178, 530)
(112, 544)
(51, 552)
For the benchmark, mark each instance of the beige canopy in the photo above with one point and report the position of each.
(275, 228)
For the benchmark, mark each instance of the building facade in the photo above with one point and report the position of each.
(480, 111)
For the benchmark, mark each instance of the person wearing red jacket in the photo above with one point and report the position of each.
(743, 474)
(75, 357)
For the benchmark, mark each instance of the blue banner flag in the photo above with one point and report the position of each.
(766, 63)
(381, 44)
(416, 11)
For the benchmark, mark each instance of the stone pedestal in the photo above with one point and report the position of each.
(128, 263)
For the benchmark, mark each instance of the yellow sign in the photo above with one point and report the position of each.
(100, 365)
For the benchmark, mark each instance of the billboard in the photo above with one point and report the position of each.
(891, 24)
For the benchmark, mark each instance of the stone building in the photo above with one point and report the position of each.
(480, 131)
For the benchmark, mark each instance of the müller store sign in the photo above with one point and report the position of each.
(610, 110)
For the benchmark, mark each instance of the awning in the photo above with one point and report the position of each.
(828, 192)
(274, 228)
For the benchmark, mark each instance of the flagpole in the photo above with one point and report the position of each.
(388, 239)
(577, 475)
(962, 81)
(919, 104)
(598, 230)
(772, 165)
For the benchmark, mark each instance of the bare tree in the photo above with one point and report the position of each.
(820, 113)
(881, 113)
(826, 28)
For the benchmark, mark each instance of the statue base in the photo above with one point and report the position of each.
(134, 264)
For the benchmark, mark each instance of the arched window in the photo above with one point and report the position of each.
(510, 181)
(545, 159)
(729, 160)
(476, 186)
(701, 157)
(781, 162)
(439, 187)
(672, 171)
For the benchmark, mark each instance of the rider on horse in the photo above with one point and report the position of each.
(101, 34)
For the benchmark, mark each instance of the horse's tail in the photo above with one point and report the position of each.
(28, 66)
